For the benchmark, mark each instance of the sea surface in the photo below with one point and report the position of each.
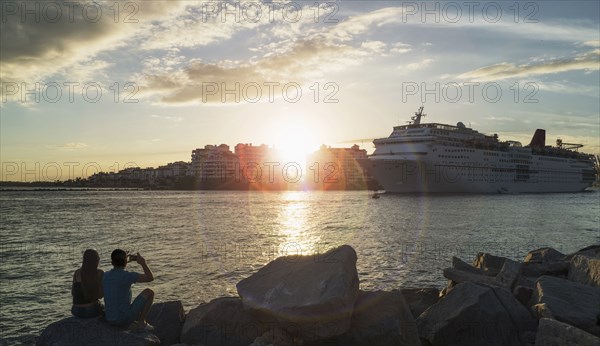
(200, 244)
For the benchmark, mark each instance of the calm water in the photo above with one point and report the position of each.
(200, 244)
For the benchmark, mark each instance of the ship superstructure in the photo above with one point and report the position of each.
(432, 157)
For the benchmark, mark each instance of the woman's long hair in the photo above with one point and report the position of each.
(89, 275)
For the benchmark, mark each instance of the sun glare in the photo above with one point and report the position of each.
(295, 141)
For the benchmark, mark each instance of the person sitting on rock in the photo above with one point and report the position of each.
(120, 311)
(87, 287)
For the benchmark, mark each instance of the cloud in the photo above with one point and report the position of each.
(166, 117)
(400, 48)
(360, 24)
(418, 65)
(297, 64)
(73, 145)
(566, 87)
(377, 47)
(592, 43)
(287, 60)
(45, 44)
(587, 61)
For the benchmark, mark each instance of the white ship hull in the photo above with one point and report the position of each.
(412, 176)
(440, 158)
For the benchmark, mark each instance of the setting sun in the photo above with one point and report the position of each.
(294, 140)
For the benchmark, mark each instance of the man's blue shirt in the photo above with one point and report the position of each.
(116, 284)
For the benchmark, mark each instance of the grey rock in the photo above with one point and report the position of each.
(167, 319)
(589, 251)
(567, 301)
(585, 270)
(554, 333)
(523, 294)
(381, 318)
(526, 281)
(545, 254)
(222, 321)
(489, 264)
(473, 314)
(420, 299)
(459, 276)
(537, 269)
(92, 331)
(461, 265)
(276, 337)
(447, 289)
(310, 296)
(509, 274)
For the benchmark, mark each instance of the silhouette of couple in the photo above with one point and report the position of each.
(90, 284)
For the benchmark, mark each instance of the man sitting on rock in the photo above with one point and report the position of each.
(116, 284)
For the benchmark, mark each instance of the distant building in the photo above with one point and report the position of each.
(214, 162)
(258, 165)
(336, 168)
(175, 170)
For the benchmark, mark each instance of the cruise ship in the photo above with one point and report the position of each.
(439, 158)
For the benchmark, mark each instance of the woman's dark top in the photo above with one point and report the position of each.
(78, 296)
(79, 293)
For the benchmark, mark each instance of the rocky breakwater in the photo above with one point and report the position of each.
(547, 299)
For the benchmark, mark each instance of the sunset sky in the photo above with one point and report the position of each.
(360, 66)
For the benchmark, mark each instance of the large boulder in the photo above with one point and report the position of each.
(459, 264)
(460, 276)
(545, 261)
(308, 296)
(554, 333)
(464, 272)
(489, 264)
(589, 251)
(222, 321)
(381, 318)
(545, 254)
(508, 275)
(92, 331)
(585, 270)
(167, 319)
(567, 301)
(473, 314)
(420, 299)
(537, 269)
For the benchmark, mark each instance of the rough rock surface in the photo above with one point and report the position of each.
(420, 299)
(472, 314)
(310, 296)
(545, 261)
(276, 337)
(167, 319)
(554, 333)
(381, 318)
(92, 331)
(489, 264)
(545, 254)
(508, 275)
(459, 264)
(585, 270)
(567, 301)
(459, 276)
(222, 321)
(589, 251)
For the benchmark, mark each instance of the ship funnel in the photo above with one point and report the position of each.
(539, 139)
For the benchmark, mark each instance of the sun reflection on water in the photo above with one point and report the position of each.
(296, 237)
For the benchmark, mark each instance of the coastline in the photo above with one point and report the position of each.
(494, 300)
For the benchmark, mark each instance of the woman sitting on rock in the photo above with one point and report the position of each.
(87, 287)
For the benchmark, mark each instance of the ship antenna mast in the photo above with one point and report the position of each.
(416, 120)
